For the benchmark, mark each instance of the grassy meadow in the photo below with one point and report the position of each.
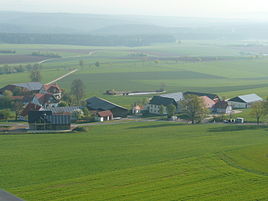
(138, 161)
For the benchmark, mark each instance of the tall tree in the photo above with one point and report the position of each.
(78, 90)
(161, 109)
(194, 108)
(81, 63)
(171, 110)
(35, 75)
(258, 110)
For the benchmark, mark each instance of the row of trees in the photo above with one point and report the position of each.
(8, 69)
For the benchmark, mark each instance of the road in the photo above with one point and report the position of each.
(63, 76)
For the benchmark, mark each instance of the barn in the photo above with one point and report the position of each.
(164, 100)
(245, 101)
(45, 120)
(100, 104)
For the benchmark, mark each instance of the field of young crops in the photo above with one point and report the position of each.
(138, 161)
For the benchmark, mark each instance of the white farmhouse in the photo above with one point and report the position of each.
(163, 101)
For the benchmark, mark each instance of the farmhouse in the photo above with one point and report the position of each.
(104, 116)
(137, 109)
(222, 107)
(53, 89)
(45, 100)
(27, 88)
(99, 104)
(45, 120)
(245, 101)
(207, 102)
(163, 101)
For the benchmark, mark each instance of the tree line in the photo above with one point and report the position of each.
(76, 39)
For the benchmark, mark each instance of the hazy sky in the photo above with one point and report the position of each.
(201, 8)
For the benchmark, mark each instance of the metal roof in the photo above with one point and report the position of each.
(249, 98)
(69, 109)
(4, 196)
(175, 96)
(96, 103)
(31, 86)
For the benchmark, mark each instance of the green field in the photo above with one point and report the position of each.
(138, 161)
(237, 74)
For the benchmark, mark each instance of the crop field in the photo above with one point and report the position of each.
(206, 66)
(138, 161)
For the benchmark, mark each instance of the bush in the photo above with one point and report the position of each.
(80, 129)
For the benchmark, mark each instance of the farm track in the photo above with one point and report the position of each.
(63, 76)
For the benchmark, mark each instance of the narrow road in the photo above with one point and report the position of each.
(63, 76)
(76, 56)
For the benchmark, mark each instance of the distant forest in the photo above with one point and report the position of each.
(94, 40)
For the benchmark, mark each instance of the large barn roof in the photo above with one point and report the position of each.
(249, 98)
(96, 103)
(31, 86)
(68, 109)
(175, 96)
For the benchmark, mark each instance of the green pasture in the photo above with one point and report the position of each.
(118, 70)
(138, 161)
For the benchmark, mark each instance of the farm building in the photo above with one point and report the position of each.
(104, 116)
(45, 120)
(137, 109)
(5, 196)
(45, 100)
(27, 88)
(53, 89)
(209, 103)
(99, 104)
(211, 96)
(164, 100)
(71, 110)
(28, 108)
(222, 107)
(245, 101)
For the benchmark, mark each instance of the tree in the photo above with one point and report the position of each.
(171, 110)
(17, 106)
(35, 75)
(161, 109)
(194, 108)
(97, 64)
(78, 90)
(258, 111)
(63, 104)
(81, 63)
(5, 114)
(8, 93)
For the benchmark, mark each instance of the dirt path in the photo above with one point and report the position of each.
(63, 76)
(76, 56)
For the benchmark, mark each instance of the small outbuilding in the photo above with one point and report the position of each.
(104, 116)
(222, 107)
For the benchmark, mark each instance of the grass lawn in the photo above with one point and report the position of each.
(138, 161)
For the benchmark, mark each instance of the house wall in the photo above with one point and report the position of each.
(238, 105)
(155, 109)
(119, 112)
